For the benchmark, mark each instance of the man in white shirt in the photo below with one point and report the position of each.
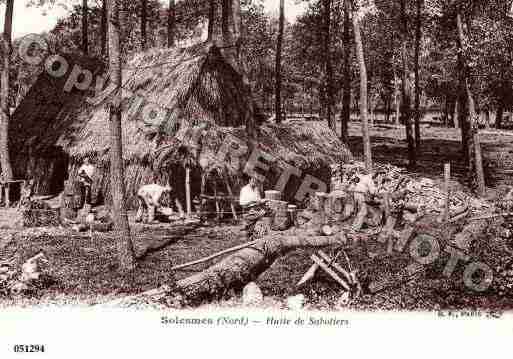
(250, 194)
(85, 175)
(149, 196)
(252, 204)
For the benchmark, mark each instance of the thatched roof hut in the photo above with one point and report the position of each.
(310, 147)
(53, 130)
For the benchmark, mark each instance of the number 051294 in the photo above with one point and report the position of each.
(21, 348)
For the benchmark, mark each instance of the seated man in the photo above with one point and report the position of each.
(149, 199)
(252, 204)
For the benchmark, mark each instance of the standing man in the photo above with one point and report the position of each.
(85, 175)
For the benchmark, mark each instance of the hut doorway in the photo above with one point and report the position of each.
(58, 171)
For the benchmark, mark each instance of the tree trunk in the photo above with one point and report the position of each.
(237, 25)
(499, 115)
(456, 114)
(476, 173)
(5, 110)
(171, 24)
(367, 152)
(144, 15)
(418, 37)
(235, 271)
(85, 28)
(445, 113)
(214, 22)
(104, 26)
(388, 101)
(188, 191)
(124, 244)
(277, 98)
(405, 89)
(397, 102)
(330, 100)
(345, 116)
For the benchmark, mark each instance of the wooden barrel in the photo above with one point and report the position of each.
(292, 214)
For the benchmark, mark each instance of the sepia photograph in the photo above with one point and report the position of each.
(203, 164)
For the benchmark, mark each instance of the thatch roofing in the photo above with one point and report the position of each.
(192, 85)
(304, 145)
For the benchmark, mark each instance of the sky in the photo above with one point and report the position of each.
(28, 20)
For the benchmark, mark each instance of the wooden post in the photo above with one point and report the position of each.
(387, 205)
(230, 193)
(188, 190)
(218, 215)
(447, 178)
(7, 199)
(22, 192)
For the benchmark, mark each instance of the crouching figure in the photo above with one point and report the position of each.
(149, 200)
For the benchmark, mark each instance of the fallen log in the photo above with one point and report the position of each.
(235, 271)
(213, 256)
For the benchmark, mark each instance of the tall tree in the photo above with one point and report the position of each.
(406, 88)
(104, 26)
(5, 110)
(85, 27)
(418, 37)
(328, 72)
(367, 152)
(144, 21)
(475, 160)
(214, 21)
(278, 80)
(346, 91)
(117, 183)
(171, 24)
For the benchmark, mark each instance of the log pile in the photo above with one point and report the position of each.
(499, 163)
(424, 194)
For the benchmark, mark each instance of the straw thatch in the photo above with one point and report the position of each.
(310, 147)
(52, 130)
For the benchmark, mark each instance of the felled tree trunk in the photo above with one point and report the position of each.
(235, 271)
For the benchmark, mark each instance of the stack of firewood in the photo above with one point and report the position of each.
(424, 194)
